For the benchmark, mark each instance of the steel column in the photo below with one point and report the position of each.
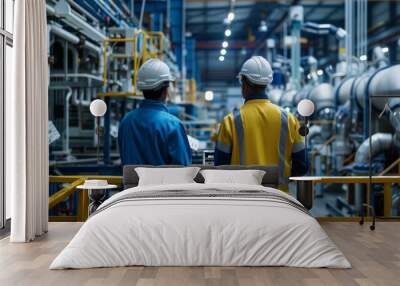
(106, 136)
(176, 29)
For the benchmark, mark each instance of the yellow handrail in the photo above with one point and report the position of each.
(69, 179)
(152, 46)
(83, 200)
(388, 169)
(64, 193)
(386, 181)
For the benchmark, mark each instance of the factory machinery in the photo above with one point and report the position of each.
(356, 99)
(95, 51)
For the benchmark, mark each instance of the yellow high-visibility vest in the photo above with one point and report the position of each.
(261, 133)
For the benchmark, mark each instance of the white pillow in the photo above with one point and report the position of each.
(248, 177)
(166, 176)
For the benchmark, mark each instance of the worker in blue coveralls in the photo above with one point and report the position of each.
(149, 135)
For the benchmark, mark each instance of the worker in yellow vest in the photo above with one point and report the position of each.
(260, 132)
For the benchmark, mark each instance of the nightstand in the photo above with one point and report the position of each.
(305, 190)
(97, 192)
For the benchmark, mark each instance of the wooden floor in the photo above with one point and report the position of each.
(375, 257)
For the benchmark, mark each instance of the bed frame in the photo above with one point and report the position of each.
(131, 178)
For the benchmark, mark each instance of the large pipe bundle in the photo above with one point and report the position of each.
(383, 82)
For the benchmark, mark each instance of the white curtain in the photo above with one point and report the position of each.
(27, 123)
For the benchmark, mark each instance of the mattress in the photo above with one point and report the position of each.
(201, 225)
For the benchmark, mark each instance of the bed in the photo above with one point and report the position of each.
(199, 224)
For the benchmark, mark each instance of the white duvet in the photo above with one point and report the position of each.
(200, 231)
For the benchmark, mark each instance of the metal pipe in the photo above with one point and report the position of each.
(50, 10)
(99, 51)
(142, 14)
(132, 10)
(56, 30)
(183, 49)
(295, 53)
(380, 142)
(314, 132)
(67, 99)
(168, 14)
(382, 83)
(324, 29)
(63, 9)
(75, 40)
(323, 96)
(379, 58)
(341, 145)
(66, 59)
(81, 99)
(84, 12)
(94, 48)
(80, 75)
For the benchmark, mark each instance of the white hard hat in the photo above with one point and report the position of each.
(152, 74)
(257, 70)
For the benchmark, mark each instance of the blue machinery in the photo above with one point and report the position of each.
(77, 29)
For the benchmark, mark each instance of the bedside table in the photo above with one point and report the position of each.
(305, 190)
(96, 195)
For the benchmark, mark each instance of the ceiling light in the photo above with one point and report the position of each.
(225, 44)
(228, 32)
(221, 58)
(209, 95)
(223, 52)
(230, 16)
(320, 72)
(263, 27)
(385, 50)
(363, 58)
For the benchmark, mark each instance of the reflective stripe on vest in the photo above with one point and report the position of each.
(240, 134)
(282, 147)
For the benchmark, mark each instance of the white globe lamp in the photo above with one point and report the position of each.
(305, 107)
(98, 108)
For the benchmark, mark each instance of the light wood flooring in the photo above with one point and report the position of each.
(375, 257)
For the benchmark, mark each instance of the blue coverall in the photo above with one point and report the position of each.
(150, 135)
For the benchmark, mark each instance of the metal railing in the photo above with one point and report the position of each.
(71, 182)
(69, 189)
(386, 181)
(391, 167)
(145, 45)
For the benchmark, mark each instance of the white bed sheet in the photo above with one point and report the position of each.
(200, 232)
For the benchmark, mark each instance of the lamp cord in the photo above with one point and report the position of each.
(98, 139)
